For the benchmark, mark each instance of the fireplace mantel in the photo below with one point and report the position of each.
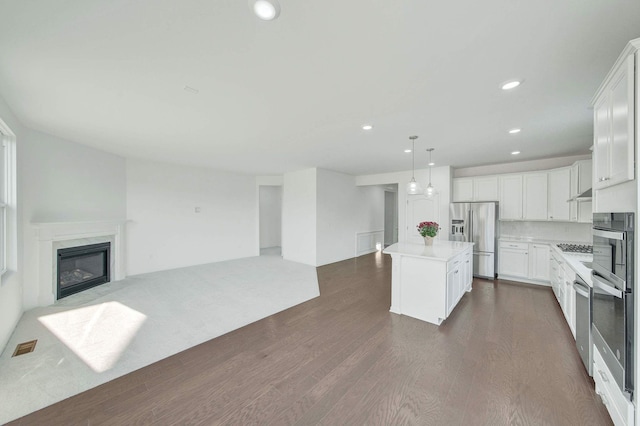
(53, 235)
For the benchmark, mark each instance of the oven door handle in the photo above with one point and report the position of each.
(609, 234)
(609, 289)
(580, 289)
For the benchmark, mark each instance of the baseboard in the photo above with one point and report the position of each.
(524, 280)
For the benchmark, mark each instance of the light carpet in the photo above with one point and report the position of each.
(105, 332)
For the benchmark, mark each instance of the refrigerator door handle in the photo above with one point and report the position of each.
(470, 225)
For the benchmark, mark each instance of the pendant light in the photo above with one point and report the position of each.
(430, 191)
(413, 187)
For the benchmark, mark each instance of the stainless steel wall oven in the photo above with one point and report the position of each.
(613, 288)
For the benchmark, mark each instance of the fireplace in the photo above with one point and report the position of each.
(80, 268)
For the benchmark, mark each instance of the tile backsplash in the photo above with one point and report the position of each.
(556, 231)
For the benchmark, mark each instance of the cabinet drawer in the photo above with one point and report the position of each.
(455, 262)
(620, 409)
(514, 245)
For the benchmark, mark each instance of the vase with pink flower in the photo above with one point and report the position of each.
(428, 230)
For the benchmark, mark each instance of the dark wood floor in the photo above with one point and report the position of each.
(504, 357)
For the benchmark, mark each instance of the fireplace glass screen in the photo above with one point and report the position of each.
(80, 268)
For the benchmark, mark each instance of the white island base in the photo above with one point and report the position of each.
(427, 282)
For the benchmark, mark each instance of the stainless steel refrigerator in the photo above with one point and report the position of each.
(477, 223)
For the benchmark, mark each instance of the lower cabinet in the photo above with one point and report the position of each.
(459, 278)
(528, 261)
(513, 259)
(619, 407)
(569, 305)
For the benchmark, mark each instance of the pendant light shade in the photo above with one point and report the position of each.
(413, 187)
(430, 191)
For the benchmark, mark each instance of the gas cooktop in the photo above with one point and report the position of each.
(576, 248)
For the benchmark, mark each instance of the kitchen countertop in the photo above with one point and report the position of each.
(440, 250)
(574, 260)
(540, 240)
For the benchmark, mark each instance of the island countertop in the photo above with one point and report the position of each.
(440, 250)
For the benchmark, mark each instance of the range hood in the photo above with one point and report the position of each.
(585, 196)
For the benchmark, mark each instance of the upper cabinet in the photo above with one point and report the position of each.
(510, 201)
(559, 192)
(614, 125)
(484, 188)
(535, 196)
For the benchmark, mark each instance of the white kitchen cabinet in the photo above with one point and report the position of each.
(484, 188)
(510, 199)
(558, 194)
(513, 259)
(614, 126)
(569, 305)
(535, 196)
(462, 189)
(554, 274)
(539, 262)
(619, 407)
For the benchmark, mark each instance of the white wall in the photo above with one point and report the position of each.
(270, 208)
(62, 181)
(166, 232)
(11, 282)
(299, 217)
(343, 209)
(441, 180)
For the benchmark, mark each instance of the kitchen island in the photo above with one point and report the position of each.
(427, 282)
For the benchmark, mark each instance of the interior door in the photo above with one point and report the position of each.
(421, 209)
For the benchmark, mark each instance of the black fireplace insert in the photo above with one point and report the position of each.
(80, 268)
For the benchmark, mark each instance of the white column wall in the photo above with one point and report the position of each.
(343, 210)
(165, 231)
(299, 217)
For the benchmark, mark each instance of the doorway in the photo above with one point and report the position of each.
(270, 211)
(390, 215)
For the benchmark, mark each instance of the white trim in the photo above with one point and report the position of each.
(632, 47)
(366, 242)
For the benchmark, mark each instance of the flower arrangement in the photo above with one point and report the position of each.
(428, 229)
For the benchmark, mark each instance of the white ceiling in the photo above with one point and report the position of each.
(293, 93)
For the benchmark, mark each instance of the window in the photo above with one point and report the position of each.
(4, 179)
(8, 218)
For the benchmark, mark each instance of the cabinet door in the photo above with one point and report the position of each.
(585, 211)
(485, 188)
(558, 192)
(585, 175)
(622, 124)
(462, 189)
(575, 177)
(510, 197)
(451, 288)
(535, 196)
(468, 270)
(539, 262)
(514, 262)
(601, 141)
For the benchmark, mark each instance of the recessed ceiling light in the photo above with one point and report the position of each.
(511, 84)
(407, 151)
(267, 10)
(513, 131)
(431, 164)
(367, 127)
(515, 153)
